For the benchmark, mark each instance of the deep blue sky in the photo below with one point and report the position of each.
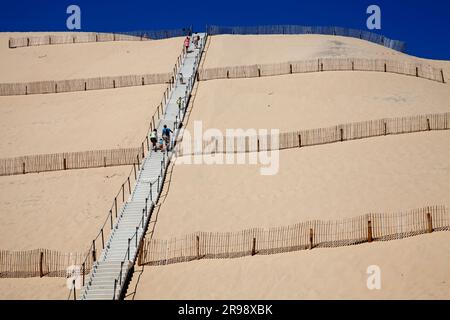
(423, 25)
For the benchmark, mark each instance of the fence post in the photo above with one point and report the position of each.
(115, 204)
(258, 145)
(417, 71)
(228, 74)
(103, 240)
(123, 192)
(134, 168)
(56, 88)
(94, 256)
(385, 128)
(138, 163)
(74, 290)
(259, 72)
(41, 260)
(369, 231)
(129, 185)
(428, 124)
(111, 218)
(254, 247)
(442, 75)
(342, 134)
(65, 164)
(353, 66)
(26, 90)
(114, 83)
(197, 238)
(430, 223)
(290, 68)
(85, 86)
(299, 140)
(143, 154)
(385, 67)
(23, 167)
(311, 238)
(148, 144)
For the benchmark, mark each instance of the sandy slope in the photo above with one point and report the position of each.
(76, 121)
(34, 289)
(321, 182)
(413, 268)
(57, 210)
(86, 60)
(302, 101)
(229, 50)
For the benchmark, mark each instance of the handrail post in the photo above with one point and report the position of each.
(128, 252)
(135, 245)
(115, 288)
(120, 274)
(111, 218)
(94, 256)
(84, 270)
(103, 240)
(151, 192)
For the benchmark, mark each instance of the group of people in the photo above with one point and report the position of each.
(164, 141)
(195, 41)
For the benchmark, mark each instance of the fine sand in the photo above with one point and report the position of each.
(86, 60)
(315, 100)
(230, 50)
(333, 181)
(413, 268)
(34, 289)
(77, 121)
(61, 210)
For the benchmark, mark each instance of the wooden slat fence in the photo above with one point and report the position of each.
(39, 263)
(84, 37)
(52, 86)
(311, 137)
(414, 69)
(297, 29)
(306, 235)
(69, 160)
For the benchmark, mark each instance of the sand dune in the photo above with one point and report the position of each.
(413, 268)
(57, 210)
(304, 101)
(228, 50)
(77, 121)
(86, 60)
(34, 289)
(383, 174)
(334, 181)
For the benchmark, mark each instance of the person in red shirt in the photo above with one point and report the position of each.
(186, 43)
